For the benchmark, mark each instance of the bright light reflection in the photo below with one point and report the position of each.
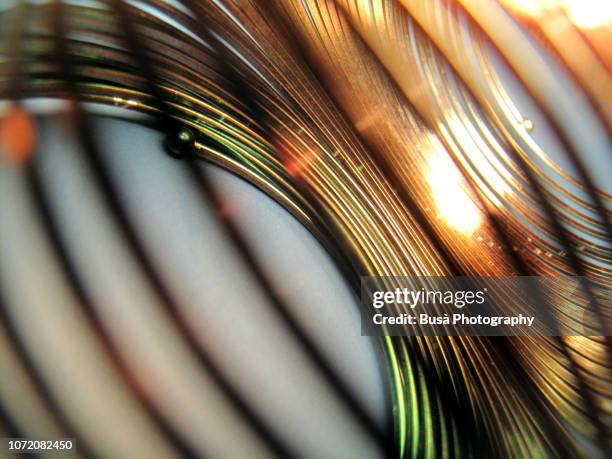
(587, 14)
(528, 7)
(484, 164)
(452, 202)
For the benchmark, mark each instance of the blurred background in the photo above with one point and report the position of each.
(191, 190)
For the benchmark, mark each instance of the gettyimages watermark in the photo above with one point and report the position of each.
(480, 306)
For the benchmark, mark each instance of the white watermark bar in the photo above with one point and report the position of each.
(44, 446)
(482, 306)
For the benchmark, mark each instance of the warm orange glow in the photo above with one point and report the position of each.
(528, 7)
(17, 135)
(453, 203)
(296, 166)
(587, 14)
